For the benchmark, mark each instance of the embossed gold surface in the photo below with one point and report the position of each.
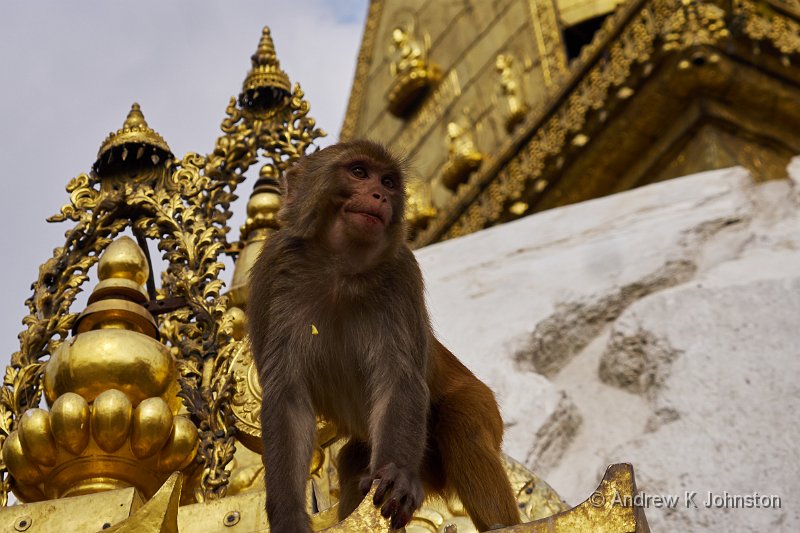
(601, 512)
(462, 155)
(409, 66)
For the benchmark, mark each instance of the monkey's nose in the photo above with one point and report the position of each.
(377, 195)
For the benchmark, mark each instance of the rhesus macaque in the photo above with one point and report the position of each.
(339, 328)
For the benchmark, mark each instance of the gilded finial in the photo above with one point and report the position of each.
(265, 54)
(135, 142)
(262, 209)
(123, 259)
(116, 301)
(262, 219)
(266, 85)
(135, 118)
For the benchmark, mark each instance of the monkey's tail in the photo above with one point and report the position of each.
(469, 444)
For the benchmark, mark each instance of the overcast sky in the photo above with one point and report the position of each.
(70, 71)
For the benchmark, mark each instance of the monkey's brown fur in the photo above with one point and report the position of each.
(413, 413)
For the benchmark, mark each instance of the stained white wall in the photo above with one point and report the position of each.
(658, 326)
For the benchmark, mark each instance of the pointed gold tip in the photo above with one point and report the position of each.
(135, 118)
(265, 53)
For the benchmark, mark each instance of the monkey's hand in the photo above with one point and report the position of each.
(399, 493)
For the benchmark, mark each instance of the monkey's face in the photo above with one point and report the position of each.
(372, 205)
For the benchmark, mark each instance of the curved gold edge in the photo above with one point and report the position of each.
(602, 512)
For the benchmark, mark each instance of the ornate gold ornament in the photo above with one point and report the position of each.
(420, 208)
(183, 205)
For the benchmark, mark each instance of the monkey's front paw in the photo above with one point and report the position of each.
(399, 493)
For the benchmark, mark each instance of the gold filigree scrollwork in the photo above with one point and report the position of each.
(179, 218)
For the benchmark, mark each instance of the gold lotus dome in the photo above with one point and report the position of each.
(112, 393)
(115, 343)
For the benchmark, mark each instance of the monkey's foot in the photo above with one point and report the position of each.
(399, 493)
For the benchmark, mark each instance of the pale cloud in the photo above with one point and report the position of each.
(70, 71)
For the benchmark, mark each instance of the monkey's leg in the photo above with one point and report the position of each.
(469, 442)
(288, 434)
(352, 464)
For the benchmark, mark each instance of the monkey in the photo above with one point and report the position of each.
(339, 328)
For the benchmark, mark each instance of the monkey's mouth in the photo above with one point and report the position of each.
(372, 217)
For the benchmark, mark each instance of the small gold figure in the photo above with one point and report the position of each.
(407, 52)
(463, 156)
(420, 209)
(509, 84)
(412, 74)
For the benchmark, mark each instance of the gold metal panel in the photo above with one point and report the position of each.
(79, 514)
(238, 513)
(624, 112)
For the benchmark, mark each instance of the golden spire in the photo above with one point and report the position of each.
(265, 54)
(266, 85)
(136, 139)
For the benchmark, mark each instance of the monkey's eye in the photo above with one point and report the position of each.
(359, 172)
(388, 182)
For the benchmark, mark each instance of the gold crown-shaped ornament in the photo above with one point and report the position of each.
(266, 85)
(135, 139)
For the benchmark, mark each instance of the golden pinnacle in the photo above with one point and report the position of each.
(134, 131)
(265, 54)
(266, 84)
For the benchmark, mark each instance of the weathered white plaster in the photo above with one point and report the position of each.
(657, 326)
